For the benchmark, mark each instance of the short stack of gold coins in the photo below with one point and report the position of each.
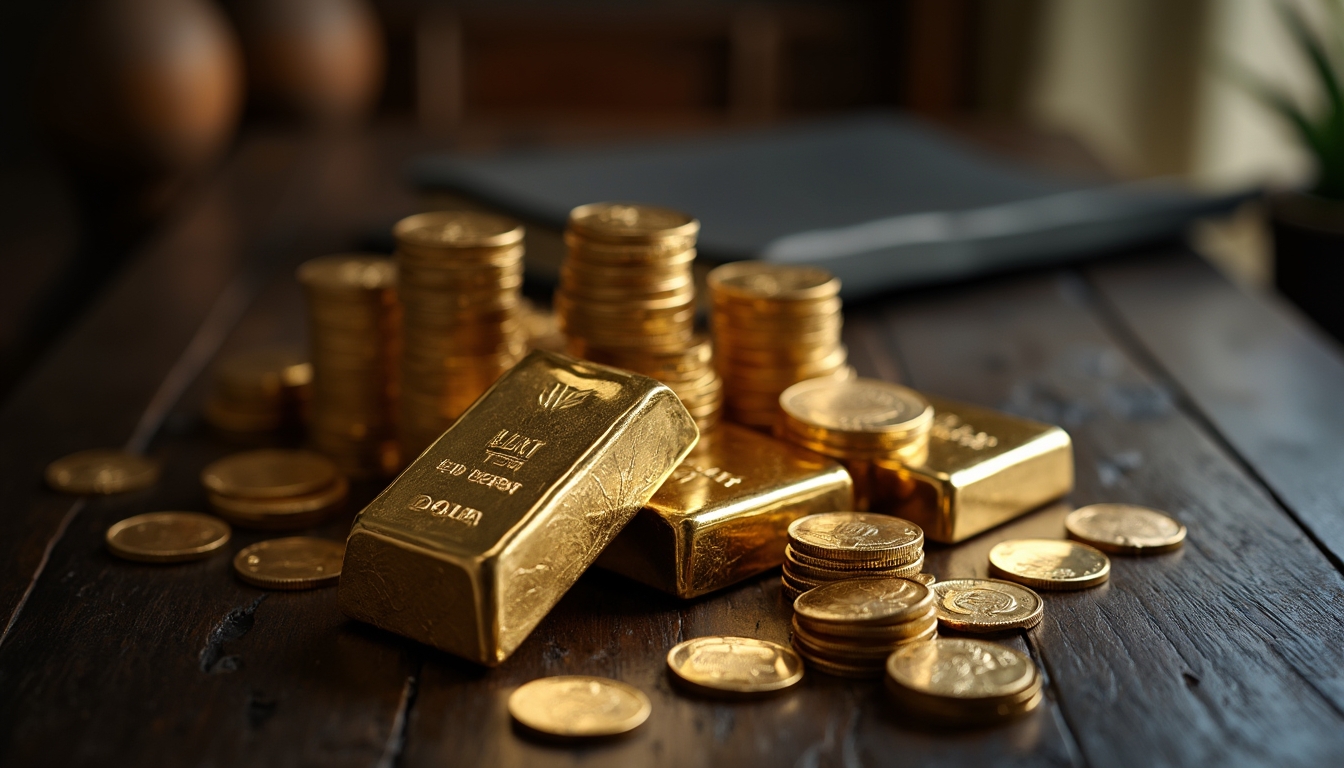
(274, 489)
(850, 627)
(774, 325)
(354, 330)
(963, 682)
(260, 390)
(834, 546)
(859, 422)
(459, 275)
(627, 299)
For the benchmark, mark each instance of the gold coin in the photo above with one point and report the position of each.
(961, 669)
(858, 405)
(349, 272)
(823, 574)
(102, 471)
(986, 605)
(927, 579)
(578, 706)
(458, 229)
(623, 222)
(735, 665)
(854, 536)
(288, 513)
(864, 601)
(269, 473)
(1125, 529)
(1049, 564)
(780, 282)
(890, 634)
(167, 537)
(853, 567)
(855, 650)
(298, 562)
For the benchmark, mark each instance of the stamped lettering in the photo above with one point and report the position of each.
(950, 427)
(511, 450)
(687, 472)
(497, 482)
(446, 509)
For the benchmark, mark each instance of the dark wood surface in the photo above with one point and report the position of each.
(1179, 390)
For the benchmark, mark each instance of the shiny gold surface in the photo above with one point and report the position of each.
(851, 626)
(298, 562)
(986, 605)
(724, 514)
(167, 537)
(1049, 564)
(475, 542)
(578, 706)
(871, 601)
(963, 680)
(1125, 529)
(982, 468)
(283, 514)
(101, 471)
(740, 666)
(269, 473)
(856, 536)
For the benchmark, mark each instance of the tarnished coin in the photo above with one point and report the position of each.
(102, 471)
(298, 562)
(858, 405)
(964, 669)
(167, 537)
(1125, 529)
(1049, 564)
(735, 665)
(578, 706)
(855, 536)
(986, 605)
(269, 473)
(864, 601)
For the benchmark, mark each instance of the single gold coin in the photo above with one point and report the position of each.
(1049, 564)
(1125, 529)
(735, 665)
(167, 537)
(986, 605)
(298, 562)
(102, 471)
(855, 536)
(858, 405)
(578, 706)
(864, 601)
(622, 222)
(962, 669)
(269, 473)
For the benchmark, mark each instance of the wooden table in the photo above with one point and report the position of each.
(1180, 391)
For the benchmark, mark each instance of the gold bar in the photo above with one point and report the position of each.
(475, 542)
(724, 513)
(983, 468)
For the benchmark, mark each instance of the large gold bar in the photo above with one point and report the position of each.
(724, 514)
(475, 542)
(983, 469)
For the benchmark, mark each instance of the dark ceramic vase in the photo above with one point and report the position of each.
(1309, 256)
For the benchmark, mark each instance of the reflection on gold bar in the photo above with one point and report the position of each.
(475, 542)
(983, 468)
(724, 513)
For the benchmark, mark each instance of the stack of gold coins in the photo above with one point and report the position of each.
(259, 390)
(858, 422)
(459, 274)
(963, 681)
(850, 627)
(774, 325)
(354, 331)
(627, 299)
(834, 546)
(273, 489)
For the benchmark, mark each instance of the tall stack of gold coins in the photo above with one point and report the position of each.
(459, 275)
(354, 329)
(627, 299)
(774, 325)
(858, 422)
(834, 546)
(850, 628)
(260, 390)
(958, 681)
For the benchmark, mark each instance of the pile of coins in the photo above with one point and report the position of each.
(627, 299)
(834, 546)
(849, 628)
(259, 390)
(774, 325)
(459, 275)
(963, 681)
(274, 489)
(354, 332)
(860, 423)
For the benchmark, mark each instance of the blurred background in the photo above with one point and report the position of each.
(114, 113)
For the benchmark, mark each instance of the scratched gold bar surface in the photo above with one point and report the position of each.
(983, 469)
(724, 514)
(479, 537)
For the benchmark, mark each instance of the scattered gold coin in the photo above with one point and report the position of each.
(864, 601)
(986, 605)
(283, 514)
(578, 706)
(1049, 564)
(269, 473)
(102, 471)
(298, 562)
(1125, 529)
(963, 680)
(734, 665)
(167, 537)
(855, 536)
